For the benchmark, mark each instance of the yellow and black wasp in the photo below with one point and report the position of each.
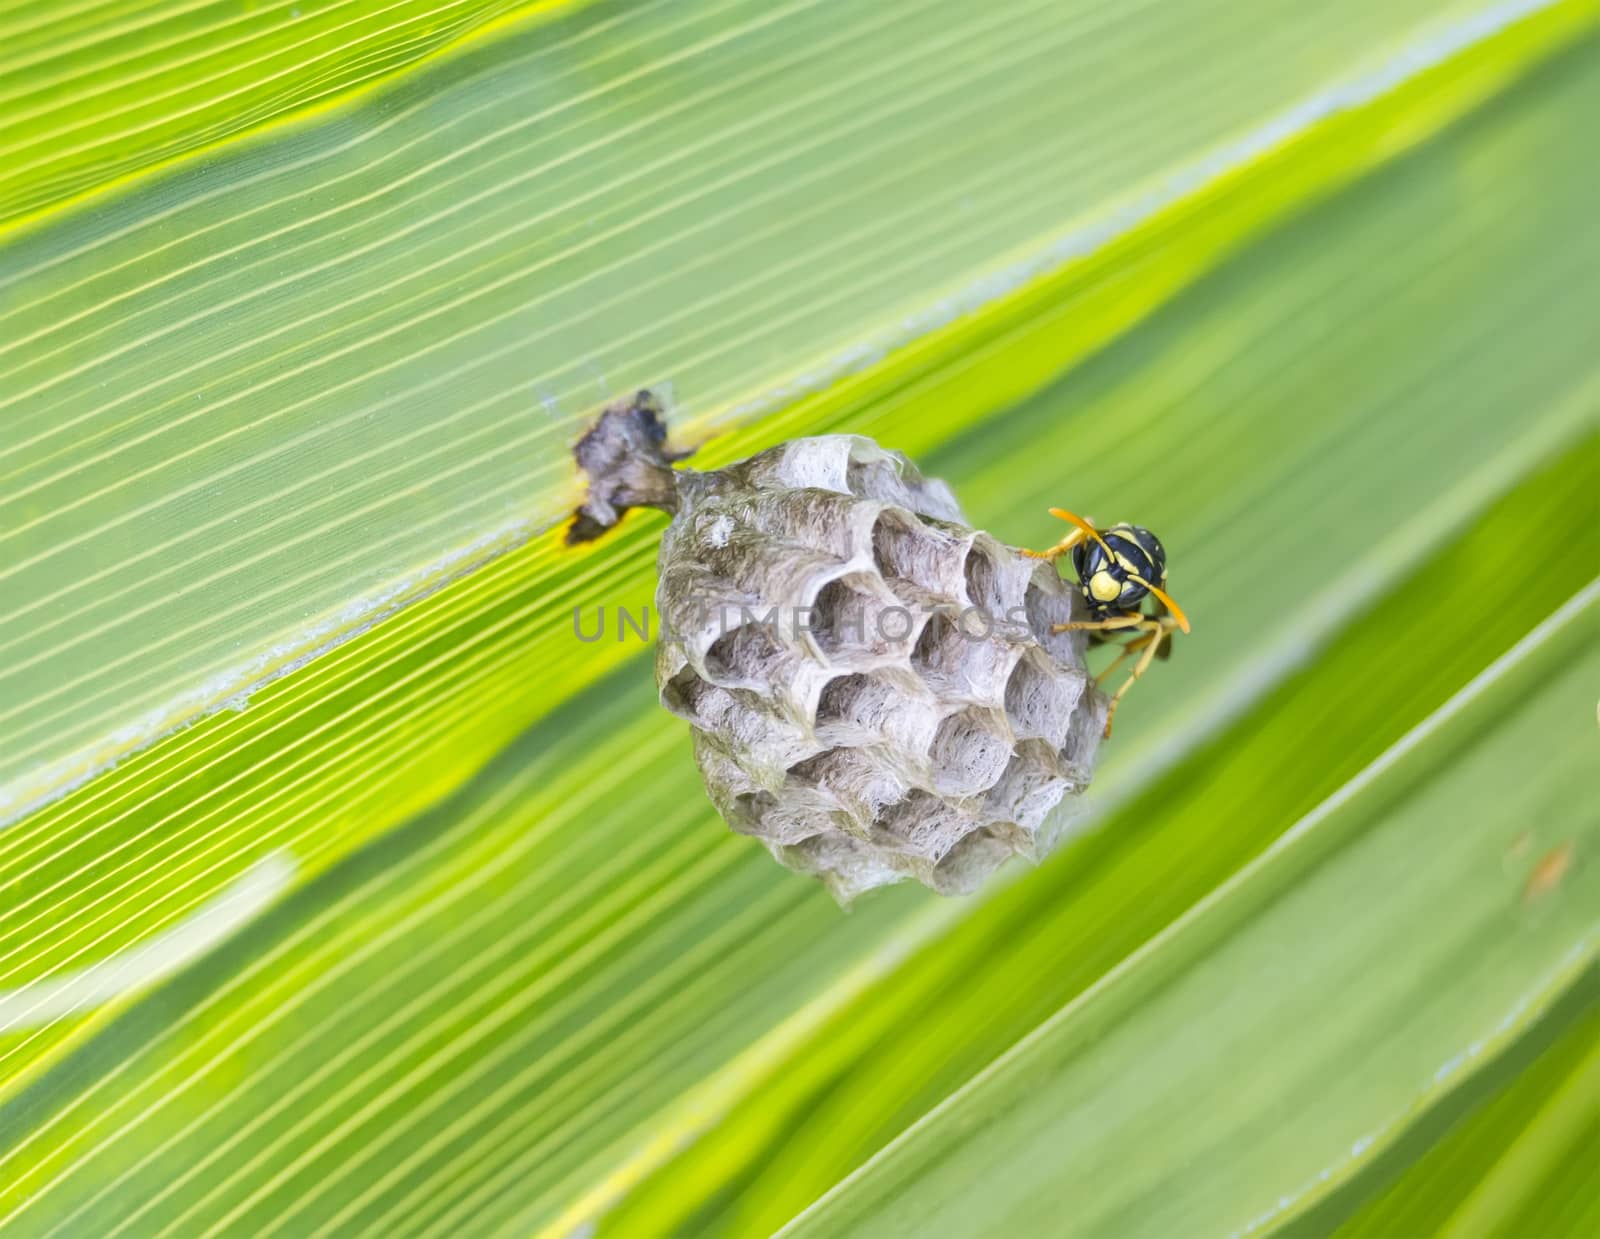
(1118, 569)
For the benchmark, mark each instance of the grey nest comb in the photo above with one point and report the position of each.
(874, 688)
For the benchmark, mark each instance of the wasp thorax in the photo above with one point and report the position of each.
(1114, 570)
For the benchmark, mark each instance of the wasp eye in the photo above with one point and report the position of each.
(1132, 593)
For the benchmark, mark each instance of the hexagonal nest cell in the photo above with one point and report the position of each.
(902, 708)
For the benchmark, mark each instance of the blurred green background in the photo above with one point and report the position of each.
(343, 891)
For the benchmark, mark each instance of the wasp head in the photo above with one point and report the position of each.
(1116, 570)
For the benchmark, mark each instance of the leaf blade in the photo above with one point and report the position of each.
(1066, 1109)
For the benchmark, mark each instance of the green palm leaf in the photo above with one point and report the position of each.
(343, 890)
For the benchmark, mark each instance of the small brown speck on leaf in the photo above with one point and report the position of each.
(1549, 873)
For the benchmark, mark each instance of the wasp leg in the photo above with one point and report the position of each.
(1079, 533)
(1113, 624)
(1124, 652)
(1159, 629)
(1058, 550)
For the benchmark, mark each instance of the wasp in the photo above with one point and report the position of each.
(1119, 569)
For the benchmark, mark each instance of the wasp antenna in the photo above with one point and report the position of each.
(1072, 518)
(1166, 601)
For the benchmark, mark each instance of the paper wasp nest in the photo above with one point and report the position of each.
(874, 689)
